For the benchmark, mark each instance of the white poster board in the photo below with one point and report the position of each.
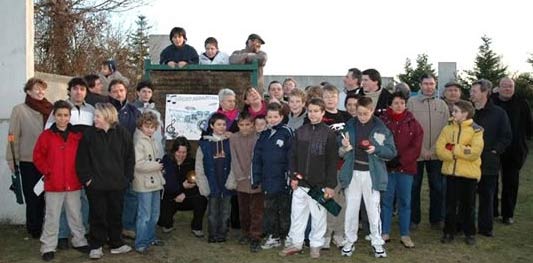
(186, 113)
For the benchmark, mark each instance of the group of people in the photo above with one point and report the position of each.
(106, 173)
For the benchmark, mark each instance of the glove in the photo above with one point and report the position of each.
(449, 146)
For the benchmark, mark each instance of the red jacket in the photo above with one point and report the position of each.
(55, 158)
(408, 135)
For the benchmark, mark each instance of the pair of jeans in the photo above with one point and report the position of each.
(169, 207)
(64, 230)
(399, 186)
(147, 216)
(219, 209)
(437, 192)
(460, 195)
(129, 213)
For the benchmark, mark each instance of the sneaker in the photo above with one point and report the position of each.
(327, 243)
(48, 256)
(348, 249)
(198, 233)
(255, 246)
(470, 240)
(96, 253)
(271, 243)
(62, 243)
(121, 250)
(407, 242)
(158, 243)
(368, 238)
(291, 250)
(221, 239)
(314, 252)
(128, 234)
(379, 251)
(167, 230)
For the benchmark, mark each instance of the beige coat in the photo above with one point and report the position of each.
(433, 114)
(147, 176)
(26, 125)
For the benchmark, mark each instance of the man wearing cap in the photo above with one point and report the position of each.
(249, 54)
(178, 53)
(452, 94)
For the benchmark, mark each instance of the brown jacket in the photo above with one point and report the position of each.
(245, 56)
(26, 125)
(433, 114)
(242, 149)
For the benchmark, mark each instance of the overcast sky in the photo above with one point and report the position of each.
(317, 37)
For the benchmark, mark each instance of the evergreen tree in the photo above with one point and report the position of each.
(487, 64)
(139, 50)
(412, 75)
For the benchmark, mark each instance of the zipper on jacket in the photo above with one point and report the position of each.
(455, 159)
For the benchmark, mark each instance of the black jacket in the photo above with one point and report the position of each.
(185, 53)
(175, 175)
(521, 121)
(106, 158)
(314, 155)
(497, 136)
(93, 98)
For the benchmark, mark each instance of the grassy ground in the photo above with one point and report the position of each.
(511, 244)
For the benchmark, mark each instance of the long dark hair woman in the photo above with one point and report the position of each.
(181, 192)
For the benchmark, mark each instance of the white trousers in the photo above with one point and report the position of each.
(53, 204)
(361, 186)
(303, 205)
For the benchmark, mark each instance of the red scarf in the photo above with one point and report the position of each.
(231, 115)
(42, 106)
(396, 116)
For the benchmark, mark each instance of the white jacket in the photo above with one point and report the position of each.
(220, 58)
(147, 176)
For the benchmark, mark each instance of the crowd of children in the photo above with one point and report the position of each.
(287, 160)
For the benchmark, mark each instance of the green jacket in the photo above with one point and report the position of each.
(382, 139)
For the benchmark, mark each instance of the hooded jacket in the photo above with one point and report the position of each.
(459, 146)
(54, 156)
(270, 164)
(210, 183)
(147, 176)
(381, 138)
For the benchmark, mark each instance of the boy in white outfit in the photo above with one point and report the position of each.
(366, 144)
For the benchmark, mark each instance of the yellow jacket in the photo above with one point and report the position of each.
(465, 158)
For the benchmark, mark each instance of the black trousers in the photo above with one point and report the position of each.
(460, 193)
(510, 180)
(34, 204)
(277, 215)
(198, 204)
(234, 217)
(105, 217)
(486, 189)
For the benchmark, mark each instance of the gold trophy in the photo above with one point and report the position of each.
(191, 177)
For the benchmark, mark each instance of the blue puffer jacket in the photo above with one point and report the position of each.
(127, 114)
(382, 139)
(209, 150)
(270, 163)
